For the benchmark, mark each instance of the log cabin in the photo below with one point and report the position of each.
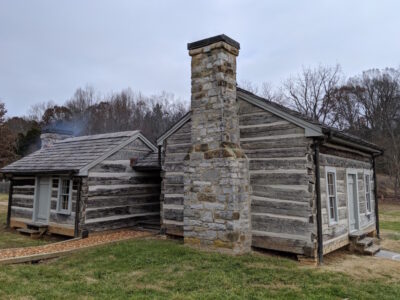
(239, 171)
(236, 172)
(77, 184)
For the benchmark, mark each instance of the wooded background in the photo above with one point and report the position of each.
(366, 105)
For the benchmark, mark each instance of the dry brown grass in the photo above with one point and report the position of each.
(366, 267)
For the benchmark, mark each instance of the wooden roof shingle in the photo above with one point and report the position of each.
(71, 154)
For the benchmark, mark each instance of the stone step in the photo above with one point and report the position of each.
(372, 250)
(365, 242)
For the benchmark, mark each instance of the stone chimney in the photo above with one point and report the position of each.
(50, 136)
(217, 184)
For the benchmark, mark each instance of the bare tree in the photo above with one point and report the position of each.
(36, 111)
(311, 92)
(7, 139)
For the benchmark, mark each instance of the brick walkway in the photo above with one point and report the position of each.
(15, 255)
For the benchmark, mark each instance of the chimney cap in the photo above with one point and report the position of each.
(213, 40)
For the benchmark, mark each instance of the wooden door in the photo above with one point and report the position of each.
(353, 201)
(42, 205)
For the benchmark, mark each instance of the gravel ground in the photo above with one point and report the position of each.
(92, 240)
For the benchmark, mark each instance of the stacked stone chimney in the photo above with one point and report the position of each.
(217, 187)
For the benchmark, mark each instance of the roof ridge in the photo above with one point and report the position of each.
(117, 134)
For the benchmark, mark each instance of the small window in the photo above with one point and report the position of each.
(64, 196)
(331, 193)
(368, 193)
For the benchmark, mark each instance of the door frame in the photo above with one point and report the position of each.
(35, 198)
(352, 172)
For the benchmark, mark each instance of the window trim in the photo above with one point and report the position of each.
(335, 220)
(367, 212)
(59, 209)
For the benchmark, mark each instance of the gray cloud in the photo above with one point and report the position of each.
(49, 48)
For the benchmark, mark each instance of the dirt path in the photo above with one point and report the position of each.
(70, 245)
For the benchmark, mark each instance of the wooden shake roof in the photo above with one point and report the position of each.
(73, 154)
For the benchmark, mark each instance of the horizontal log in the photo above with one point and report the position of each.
(300, 194)
(21, 212)
(258, 118)
(179, 138)
(173, 214)
(264, 131)
(174, 166)
(280, 178)
(246, 108)
(276, 164)
(169, 179)
(178, 148)
(134, 190)
(280, 243)
(335, 231)
(287, 225)
(290, 208)
(339, 162)
(173, 189)
(299, 152)
(22, 202)
(143, 208)
(110, 223)
(102, 167)
(176, 200)
(284, 143)
(93, 181)
(100, 201)
(345, 154)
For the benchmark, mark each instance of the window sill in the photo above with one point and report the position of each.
(368, 213)
(332, 223)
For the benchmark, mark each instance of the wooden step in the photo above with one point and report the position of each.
(365, 242)
(372, 250)
(28, 231)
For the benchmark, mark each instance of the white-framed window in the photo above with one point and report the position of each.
(367, 183)
(64, 203)
(331, 195)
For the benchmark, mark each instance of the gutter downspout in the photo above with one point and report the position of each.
(319, 206)
(376, 195)
(77, 207)
(10, 194)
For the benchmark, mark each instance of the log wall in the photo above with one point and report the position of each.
(115, 196)
(23, 198)
(175, 149)
(282, 181)
(343, 159)
(23, 203)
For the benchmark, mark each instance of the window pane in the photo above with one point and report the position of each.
(64, 194)
(368, 193)
(332, 195)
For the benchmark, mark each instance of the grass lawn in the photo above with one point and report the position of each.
(148, 269)
(3, 197)
(159, 269)
(389, 217)
(9, 238)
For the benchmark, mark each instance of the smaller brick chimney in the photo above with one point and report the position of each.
(50, 136)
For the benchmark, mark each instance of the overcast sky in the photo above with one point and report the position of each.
(50, 48)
